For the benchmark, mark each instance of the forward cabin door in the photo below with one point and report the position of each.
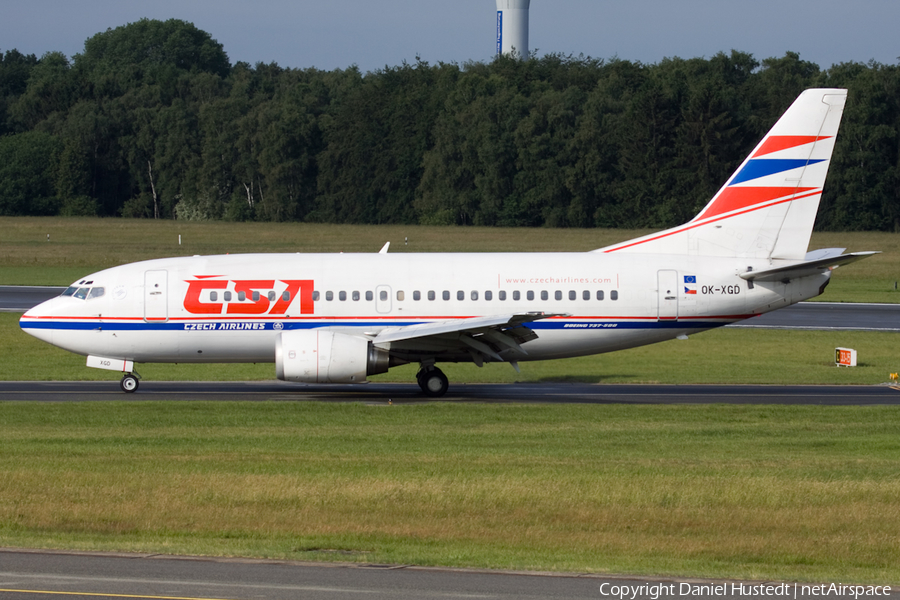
(667, 292)
(156, 296)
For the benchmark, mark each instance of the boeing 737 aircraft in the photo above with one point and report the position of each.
(338, 318)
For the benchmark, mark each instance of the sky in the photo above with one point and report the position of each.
(374, 34)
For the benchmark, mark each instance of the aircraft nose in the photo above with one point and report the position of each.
(33, 322)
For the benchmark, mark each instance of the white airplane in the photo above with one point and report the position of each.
(337, 318)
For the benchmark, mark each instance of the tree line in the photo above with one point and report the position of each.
(152, 120)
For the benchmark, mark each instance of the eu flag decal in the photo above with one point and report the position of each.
(690, 284)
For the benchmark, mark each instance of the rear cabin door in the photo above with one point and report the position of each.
(667, 291)
(156, 296)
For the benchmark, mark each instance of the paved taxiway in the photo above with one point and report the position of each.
(33, 575)
(19, 298)
(404, 393)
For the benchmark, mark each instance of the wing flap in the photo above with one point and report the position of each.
(470, 326)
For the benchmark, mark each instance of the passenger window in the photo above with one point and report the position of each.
(213, 296)
(445, 295)
(474, 295)
(355, 296)
(599, 294)
(271, 296)
(242, 296)
(517, 295)
(315, 296)
(488, 295)
(431, 295)
(417, 295)
(558, 295)
(501, 295)
(329, 296)
(460, 295)
(614, 295)
(400, 295)
(342, 296)
(529, 295)
(255, 296)
(226, 296)
(369, 296)
(586, 295)
(383, 295)
(573, 295)
(286, 296)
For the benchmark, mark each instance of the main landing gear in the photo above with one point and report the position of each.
(129, 382)
(432, 381)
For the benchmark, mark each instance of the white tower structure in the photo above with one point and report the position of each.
(512, 27)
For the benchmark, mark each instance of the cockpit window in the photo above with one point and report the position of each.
(84, 293)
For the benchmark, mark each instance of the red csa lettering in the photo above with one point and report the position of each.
(192, 302)
(296, 287)
(257, 307)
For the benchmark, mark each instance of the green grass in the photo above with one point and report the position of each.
(79, 246)
(720, 356)
(804, 493)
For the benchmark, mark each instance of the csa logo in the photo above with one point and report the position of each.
(255, 296)
(278, 326)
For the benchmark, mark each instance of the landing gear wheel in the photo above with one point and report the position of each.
(433, 382)
(129, 383)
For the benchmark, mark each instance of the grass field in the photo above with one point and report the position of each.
(79, 246)
(720, 356)
(805, 493)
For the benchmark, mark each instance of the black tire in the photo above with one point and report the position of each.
(129, 383)
(434, 383)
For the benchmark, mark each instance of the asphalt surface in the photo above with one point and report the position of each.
(805, 315)
(19, 298)
(407, 393)
(829, 316)
(34, 575)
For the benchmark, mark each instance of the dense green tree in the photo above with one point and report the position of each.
(15, 69)
(151, 120)
(863, 191)
(28, 174)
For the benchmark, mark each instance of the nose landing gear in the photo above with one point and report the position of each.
(129, 383)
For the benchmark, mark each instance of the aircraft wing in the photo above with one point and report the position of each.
(816, 262)
(480, 336)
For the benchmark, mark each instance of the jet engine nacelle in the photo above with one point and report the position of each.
(323, 356)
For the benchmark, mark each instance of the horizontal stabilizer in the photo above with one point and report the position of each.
(818, 261)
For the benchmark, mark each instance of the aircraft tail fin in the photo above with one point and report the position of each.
(768, 206)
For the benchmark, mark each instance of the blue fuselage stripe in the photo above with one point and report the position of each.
(281, 326)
